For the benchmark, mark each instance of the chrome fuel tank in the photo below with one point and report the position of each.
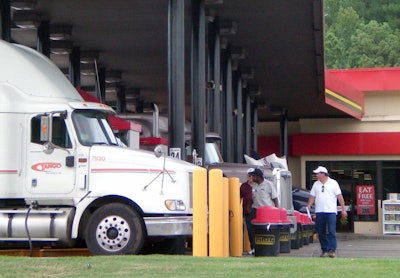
(43, 224)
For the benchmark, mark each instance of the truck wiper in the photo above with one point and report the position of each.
(99, 143)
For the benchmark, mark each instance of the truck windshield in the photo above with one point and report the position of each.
(212, 153)
(92, 128)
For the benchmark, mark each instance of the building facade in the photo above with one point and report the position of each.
(362, 152)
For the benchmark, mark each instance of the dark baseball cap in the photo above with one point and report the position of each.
(257, 172)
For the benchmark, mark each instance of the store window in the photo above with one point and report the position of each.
(390, 177)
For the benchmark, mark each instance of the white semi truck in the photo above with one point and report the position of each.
(275, 169)
(63, 177)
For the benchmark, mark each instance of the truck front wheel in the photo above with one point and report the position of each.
(115, 229)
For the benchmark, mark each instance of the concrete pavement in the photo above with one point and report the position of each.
(354, 246)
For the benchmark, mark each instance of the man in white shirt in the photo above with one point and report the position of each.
(326, 192)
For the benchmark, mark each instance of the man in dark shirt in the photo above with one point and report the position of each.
(247, 200)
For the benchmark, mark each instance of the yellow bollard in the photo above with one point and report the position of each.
(225, 215)
(246, 241)
(200, 233)
(236, 218)
(215, 192)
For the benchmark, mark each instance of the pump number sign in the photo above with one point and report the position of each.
(175, 153)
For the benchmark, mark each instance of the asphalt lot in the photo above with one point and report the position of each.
(354, 246)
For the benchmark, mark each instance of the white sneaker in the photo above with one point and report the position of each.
(251, 252)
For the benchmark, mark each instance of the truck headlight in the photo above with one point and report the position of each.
(175, 205)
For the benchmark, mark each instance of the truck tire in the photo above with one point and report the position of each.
(114, 229)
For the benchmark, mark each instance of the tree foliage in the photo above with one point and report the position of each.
(362, 33)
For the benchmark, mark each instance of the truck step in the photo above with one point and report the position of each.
(50, 239)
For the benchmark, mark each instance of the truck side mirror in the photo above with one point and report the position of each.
(160, 150)
(45, 128)
(48, 148)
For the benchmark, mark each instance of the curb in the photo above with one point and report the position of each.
(352, 236)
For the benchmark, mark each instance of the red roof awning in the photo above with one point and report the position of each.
(370, 79)
(116, 122)
(343, 96)
(345, 88)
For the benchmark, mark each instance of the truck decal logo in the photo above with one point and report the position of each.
(45, 166)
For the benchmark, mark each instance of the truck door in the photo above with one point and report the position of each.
(48, 173)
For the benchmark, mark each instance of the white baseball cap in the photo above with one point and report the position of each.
(320, 169)
(250, 170)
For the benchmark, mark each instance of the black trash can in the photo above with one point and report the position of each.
(284, 238)
(284, 233)
(306, 229)
(266, 227)
(311, 233)
(310, 229)
(266, 239)
(295, 237)
(300, 227)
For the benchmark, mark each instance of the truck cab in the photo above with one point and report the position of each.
(63, 173)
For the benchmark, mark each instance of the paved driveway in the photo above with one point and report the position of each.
(355, 246)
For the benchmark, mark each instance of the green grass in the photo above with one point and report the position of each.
(188, 266)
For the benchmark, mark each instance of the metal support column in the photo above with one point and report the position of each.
(214, 76)
(100, 87)
(247, 125)
(43, 45)
(284, 134)
(75, 66)
(5, 15)
(198, 72)
(379, 180)
(176, 74)
(210, 108)
(227, 129)
(255, 129)
(122, 100)
(238, 149)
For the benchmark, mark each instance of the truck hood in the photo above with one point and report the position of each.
(139, 176)
(120, 159)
